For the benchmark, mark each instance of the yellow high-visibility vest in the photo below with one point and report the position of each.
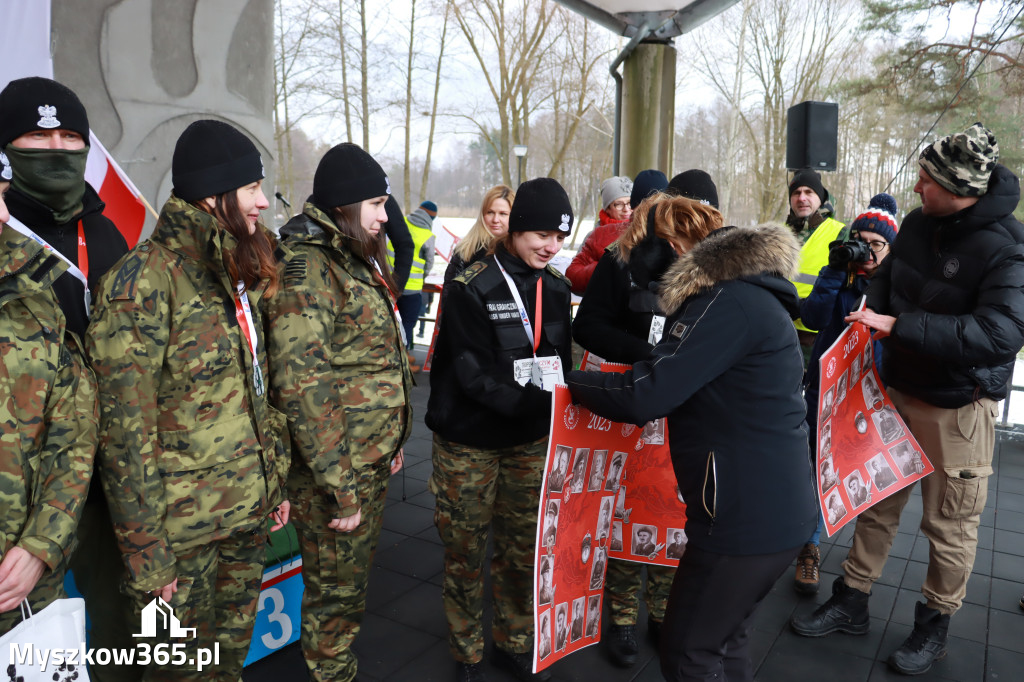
(420, 235)
(813, 257)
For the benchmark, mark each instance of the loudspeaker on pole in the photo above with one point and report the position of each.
(812, 134)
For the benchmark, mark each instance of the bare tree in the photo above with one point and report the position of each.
(433, 106)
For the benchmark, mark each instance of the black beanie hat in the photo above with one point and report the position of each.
(647, 182)
(347, 175)
(36, 103)
(541, 205)
(694, 184)
(213, 157)
(806, 177)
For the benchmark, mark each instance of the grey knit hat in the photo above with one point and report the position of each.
(962, 163)
(615, 187)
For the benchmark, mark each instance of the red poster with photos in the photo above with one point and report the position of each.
(574, 526)
(649, 516)
(865, 451)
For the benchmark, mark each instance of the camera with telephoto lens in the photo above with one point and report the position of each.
(853, 250)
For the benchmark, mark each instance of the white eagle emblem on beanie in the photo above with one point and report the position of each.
(48, 117)
(387, 181)
(5, 168)
(564, 227)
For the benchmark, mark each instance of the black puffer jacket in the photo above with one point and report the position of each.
(614, 317)
(728, 376)
(956, 286)
(104, 246)
(474, 399)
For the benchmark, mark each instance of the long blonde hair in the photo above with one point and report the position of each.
(479, 236)
(677, 220)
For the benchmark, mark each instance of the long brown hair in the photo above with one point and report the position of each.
(676, 219)
(479, 236)
(364, 245)
(253, 259)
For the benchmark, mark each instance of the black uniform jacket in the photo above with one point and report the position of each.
(474, 399)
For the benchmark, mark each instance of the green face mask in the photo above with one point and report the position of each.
(53, 177)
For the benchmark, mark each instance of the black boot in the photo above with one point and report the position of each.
(845, 611)
(622, 646)
(926, 644)
(520, 665)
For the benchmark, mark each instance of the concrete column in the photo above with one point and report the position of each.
(648, 109)
(146, 69)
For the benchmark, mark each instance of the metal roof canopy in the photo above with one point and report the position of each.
(668, 18)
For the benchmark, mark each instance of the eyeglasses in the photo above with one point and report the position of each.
(619, 205)
(877, 247)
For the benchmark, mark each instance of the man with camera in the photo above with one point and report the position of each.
(837, 290)
(948, 305)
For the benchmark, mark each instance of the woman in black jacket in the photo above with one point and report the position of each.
(622, 322)
(728, 376)
(505, 316)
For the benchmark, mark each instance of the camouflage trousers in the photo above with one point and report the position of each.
(476, 491)
(49, 588)
(335, 571)
(218, 589)
(100, 577)
(624, 581)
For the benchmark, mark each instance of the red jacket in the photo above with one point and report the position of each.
(582, 266)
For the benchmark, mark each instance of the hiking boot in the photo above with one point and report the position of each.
(925, 645)
(845, 611)
(622, 646)
(654, 631)
(520, 665)
(470, 672)
(808, 563)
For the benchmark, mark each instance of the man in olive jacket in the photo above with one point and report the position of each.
(948, 304)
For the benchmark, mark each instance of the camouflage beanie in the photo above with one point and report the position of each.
(963, 162)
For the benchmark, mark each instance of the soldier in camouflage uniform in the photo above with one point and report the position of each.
(340, 374)
(190, 449)
(47, 425)
(490, 432)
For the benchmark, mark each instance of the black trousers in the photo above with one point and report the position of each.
(705, 635)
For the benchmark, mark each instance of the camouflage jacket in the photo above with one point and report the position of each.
(47, 407)
(189, 448)
(335, 350)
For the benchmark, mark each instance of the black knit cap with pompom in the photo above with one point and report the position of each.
(347, 175)
(211, 158)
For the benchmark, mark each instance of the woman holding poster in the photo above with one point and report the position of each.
(502, 342)
(728, 375)
(615, 320)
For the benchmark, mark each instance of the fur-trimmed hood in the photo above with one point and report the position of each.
(766, 255)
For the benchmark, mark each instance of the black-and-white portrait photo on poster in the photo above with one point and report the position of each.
(615, 470)
(604, 518)
(677, 543)
(654, 432)
(615, 544)
(579, 469)
(841, 387)
(544, 650)
(550, 523)
(578, 610)
(888, 425)
(826, 404)
(880, 472)
(858, 491)
(547, 569)
(907, 458)
(597, 573)
(593, 615)
(645, 540)
(836, 508)
(872, 395)
(556, 479)
(597, 470)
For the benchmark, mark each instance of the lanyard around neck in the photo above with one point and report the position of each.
(532, 334)
(79, 273)
(243, 313)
